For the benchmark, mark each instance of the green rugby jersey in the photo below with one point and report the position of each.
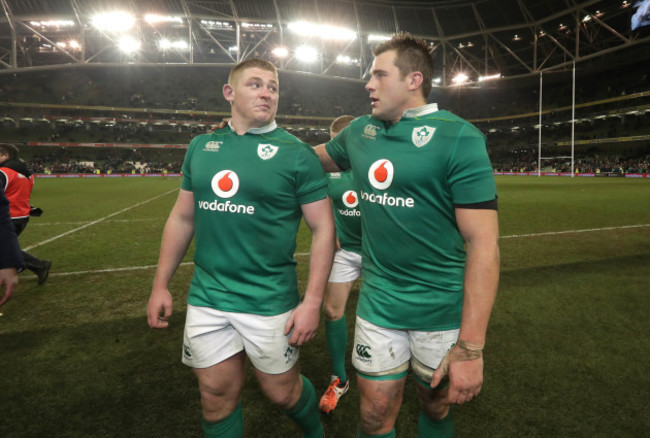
(410, 175)
(345, 201)
(248, 190)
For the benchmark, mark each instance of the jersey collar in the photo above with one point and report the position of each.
(420, 111)
(263, 130)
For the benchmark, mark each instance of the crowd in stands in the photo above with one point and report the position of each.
(584, 164)
(93, 160)
(504, 110)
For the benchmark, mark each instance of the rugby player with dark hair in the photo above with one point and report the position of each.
(430, 244)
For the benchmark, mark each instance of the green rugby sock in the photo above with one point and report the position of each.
(336, 333)
(230, 427)
(428, 428)
(390, 434)
(305, 412)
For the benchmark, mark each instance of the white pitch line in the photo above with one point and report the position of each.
(97, 221)
(48, 224)
(99, 271)
(305, 254)
(588, 230)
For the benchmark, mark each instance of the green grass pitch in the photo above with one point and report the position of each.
(567, 350)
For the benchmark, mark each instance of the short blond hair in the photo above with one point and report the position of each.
(237, 70)
(339, 124)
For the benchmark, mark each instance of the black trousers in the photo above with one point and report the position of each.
(32, 263)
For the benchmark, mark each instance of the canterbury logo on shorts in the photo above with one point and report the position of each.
(363, 351)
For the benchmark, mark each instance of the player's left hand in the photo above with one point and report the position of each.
(465, 380)
(302, 324)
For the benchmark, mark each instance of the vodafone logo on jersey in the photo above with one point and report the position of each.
(225, 184)
(381, 174)
(350, 199)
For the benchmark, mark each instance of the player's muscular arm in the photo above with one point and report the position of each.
(328, 164)
(304, 320)
(177, 236)
(480, 230)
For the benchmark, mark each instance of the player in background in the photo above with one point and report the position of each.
(430, 244)
(17, 181)
(11, 259)
(244, 191)
(345, 271)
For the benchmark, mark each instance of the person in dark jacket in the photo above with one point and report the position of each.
(11, 259)
(17, 182)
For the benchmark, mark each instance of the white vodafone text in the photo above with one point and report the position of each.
(226, 207)
(391, 201)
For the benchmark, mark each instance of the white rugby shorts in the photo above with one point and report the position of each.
(346, 267)
(380, 351)
(212, 336)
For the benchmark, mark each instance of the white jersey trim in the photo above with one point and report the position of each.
(420, 111)
(263, 130)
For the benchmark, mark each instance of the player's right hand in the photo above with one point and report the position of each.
(159, 308)
(8, 279)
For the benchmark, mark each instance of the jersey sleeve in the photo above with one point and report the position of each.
(336, 149)
(186, 182)
(311, 184)
(471, 177)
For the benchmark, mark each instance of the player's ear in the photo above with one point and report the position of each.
(415, 80)
(229, 93)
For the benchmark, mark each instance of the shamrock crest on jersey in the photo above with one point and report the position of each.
(421, 135)
(266, 151)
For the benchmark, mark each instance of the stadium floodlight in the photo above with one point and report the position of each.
(280, 52)
(113, 21)
(217, 25)
(53, 23)
(233, 49)
(128, 44)
(344, 59)
(378, 38)
(165, 44)
(322, 30)
(257, 26)
(587, 19)
(155, 19)
(306, 54)
(489, 77)
(460, 79)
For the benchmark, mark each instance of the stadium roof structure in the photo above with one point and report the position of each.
(481, 38)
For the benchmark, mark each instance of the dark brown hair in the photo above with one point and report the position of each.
(412, 54)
